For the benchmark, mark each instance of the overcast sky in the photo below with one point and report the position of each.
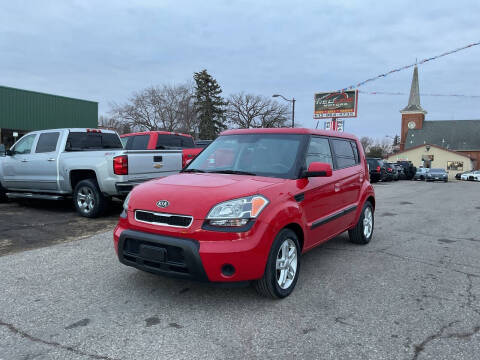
(105, 50)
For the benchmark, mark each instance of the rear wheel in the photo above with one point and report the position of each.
(88, 199)
(283, 267)
(362, 232)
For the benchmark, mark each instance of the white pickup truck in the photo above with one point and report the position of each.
(89, 165)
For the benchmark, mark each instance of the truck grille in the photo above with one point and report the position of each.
(174, 220)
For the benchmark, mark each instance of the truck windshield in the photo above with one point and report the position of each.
(83, 141)
(272, 155)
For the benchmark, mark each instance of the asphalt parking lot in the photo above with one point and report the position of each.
(412, 293)
(32, 224)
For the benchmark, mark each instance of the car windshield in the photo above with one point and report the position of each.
(272, 155)
(437, 171)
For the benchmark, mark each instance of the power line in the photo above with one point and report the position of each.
(405, 94)
(409, 66)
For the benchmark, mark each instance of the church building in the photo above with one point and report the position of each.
(453, 145)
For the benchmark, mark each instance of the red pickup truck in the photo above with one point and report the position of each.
(162, 140)
(248, 206)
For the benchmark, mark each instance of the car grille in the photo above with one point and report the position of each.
(155, 256)
(174, 220)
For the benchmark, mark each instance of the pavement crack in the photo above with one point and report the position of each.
(440, 335)
(55, 344)
(420, 347)
(471, 297)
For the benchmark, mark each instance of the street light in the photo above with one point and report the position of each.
(293, 106)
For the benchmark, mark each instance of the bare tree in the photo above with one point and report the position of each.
(366, 142)
(113, 124)
(254, 111)
(164, 107)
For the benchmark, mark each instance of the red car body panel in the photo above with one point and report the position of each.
(196, 194)
(187, 153)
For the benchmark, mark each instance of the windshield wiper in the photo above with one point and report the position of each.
(193, 171)
(235, 172)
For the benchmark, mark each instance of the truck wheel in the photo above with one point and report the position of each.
(88, 199)
(363, 231)
(283, 267)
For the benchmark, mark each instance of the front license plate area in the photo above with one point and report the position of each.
(153, 253)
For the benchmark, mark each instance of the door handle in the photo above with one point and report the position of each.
(337, 187)
(24, 160)
(51, 159)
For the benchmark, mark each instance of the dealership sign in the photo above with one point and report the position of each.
(336, 104)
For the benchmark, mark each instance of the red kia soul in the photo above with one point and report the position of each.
(248, 206)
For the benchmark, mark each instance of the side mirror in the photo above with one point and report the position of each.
(318, 169)
(3, 152)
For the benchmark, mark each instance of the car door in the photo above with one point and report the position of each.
(42, 168)
(16, 166)
(350, 174)
(318, 196)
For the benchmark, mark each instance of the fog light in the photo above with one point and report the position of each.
(229, 222)
(228, 270)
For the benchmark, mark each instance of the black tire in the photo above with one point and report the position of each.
(357, 234)
(422, 178)
(95, 204)
(3, 195)
(268, 285)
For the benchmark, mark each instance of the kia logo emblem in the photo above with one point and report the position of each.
(162, 203)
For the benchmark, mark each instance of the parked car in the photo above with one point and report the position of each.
(89, 165)
(392, 171)
(421, 174)
(400, 171)
(471, 176)
(248, 206)
(408, 168)
(458, 176)
(162, 140)
(377, 169)
(437, 175)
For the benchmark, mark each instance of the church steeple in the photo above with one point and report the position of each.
(413, 115)
(414, 99)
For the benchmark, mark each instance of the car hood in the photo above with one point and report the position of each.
(196, 194)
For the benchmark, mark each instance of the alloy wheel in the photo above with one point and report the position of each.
(85, 199)
(286, 264)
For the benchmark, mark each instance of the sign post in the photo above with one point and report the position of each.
(335, 105)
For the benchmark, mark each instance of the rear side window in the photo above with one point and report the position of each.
(171, 141)
(47, 142)
(82, 141)
(137, 142)
(318, 151)
(345, 156)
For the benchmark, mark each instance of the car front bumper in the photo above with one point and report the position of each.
(195, 254)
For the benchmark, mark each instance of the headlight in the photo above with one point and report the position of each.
(237, 212)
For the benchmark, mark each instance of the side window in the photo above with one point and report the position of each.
(344, 154)
(355, 151)
(24, 146)
(318, 151)
(47, 142)
(187, 142)
(137, 142)
(167, 141)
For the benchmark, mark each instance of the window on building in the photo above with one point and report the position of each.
(47, 142)
(455, 165)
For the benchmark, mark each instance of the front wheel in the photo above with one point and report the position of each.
(283, 267)
(362, 232)
(88, 199)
